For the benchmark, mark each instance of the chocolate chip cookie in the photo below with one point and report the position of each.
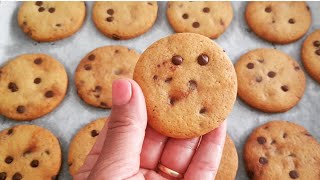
(31, 85)
(282, 150)
(98, 69)
(29, 152)
(50, 20)
(189, 84)
(210, 19)
(270, 80)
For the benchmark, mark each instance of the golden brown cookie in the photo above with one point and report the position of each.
(270, 80)
(50, 20)
(310, 54)
(279, 22)
(31, 85)
(98, 69)
(210, 19)
(189, 85)
(124, 20)
(229, 161)
(282, 150)
(29, 152)
(82, 144)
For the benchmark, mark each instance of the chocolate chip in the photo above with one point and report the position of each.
(294, 174)
(116, 51)
(3, 175)
(206, 10)
(10, 131)
(297, 68)
(261, 60)
(196, 24)
(94, 133)
(39, 3)
(13, 87)
(37, 80)
(110, 11)
(98, 88)
(185, 16)
(34, 163)
(261, 140)
(91, 57)
(109, 19)
(271, 74)
(273, 141)
(52, 10)
(21, 109)
(268, 9)
(292, 155)
(8, 159)
(250, 65)
(203, 110)
(17, 176)
(103, 104)
(87, 67)
(203, 59)
(49, 94)
(97, 96)
(172, 100)
(41, 9)
(24, 23)
(176, 60)
(168, 80)
(285, 88)
(291, 21)
(316, 43)
(263, 160)
(58, 25)
(47, 152)
(192, 85)
(38, 61)
(150, 3)
(318, 52)
(155, 77)
(284, 135)
(258, 79)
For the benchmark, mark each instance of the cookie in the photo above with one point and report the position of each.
(229, 161)
(46, 21)
(270, 80)
(124, 20)
(31, 85)
(310, 54)
(210, 19)
(278, 22)
(282, 150)
(29, 152)
(82, 144)
(98, 69)
(189, 84)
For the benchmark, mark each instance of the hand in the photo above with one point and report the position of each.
(127, 149)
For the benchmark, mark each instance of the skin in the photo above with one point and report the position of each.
(128, 149)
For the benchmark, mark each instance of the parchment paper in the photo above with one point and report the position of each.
(73, 113)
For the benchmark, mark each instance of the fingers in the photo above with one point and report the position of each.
(152, 148)
(205, 162)
(120, 156)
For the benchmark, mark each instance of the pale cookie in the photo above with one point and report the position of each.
(310, 54)
(82, 143)
(46, 21)
(189, 85)
(124, 20)
(270, 80)
(29, 152)
(98, 69)
(229, 161)
(279, 22)
(31, 85)
(282, 150)
(210, 19)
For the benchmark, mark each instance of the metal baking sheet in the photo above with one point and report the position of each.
(73, 113)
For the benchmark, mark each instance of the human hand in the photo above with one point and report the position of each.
(127, 149)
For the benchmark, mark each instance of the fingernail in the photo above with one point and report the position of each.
(121, 92)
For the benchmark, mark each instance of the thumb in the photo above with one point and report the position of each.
(120, 155)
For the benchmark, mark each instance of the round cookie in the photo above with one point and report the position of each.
(31, 85)
(269, 80)
(82, 144)
(98, 69)
(278, 22)
(210, 19)
(229, 161)
(47, 21)
(282, 150)
(29, 152)
(124, 20)
(189, 85)
(310, 54)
